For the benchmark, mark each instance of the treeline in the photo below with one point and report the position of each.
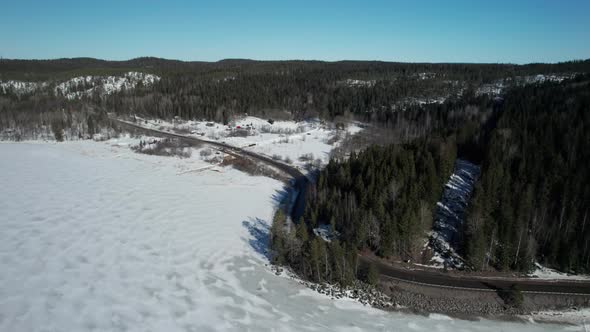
(47, 117)
(531, 203)
(309, 256)
(369, 90)
(365, 90)
(46, 70)
(268, 95)
(381, 199)
(533, 199)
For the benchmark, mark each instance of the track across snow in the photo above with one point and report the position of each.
(94, 237)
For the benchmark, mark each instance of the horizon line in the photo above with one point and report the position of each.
(290, 60)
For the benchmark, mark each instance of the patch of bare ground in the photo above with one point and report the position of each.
(167, 147)
(249, 166)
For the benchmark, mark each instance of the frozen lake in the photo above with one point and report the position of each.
(94, 237)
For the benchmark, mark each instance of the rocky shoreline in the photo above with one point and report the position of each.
(425, 300)
(450, 302)
(358, 291)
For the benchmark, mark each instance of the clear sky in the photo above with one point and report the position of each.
(517, 31)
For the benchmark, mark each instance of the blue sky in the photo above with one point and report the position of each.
(517, 31)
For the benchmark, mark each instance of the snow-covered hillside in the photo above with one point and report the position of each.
(94, 237)
(20, 87)
(499, 86)
(82, 86)
(449, 215)
(358, 83)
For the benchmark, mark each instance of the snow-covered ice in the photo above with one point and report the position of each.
(94, 237)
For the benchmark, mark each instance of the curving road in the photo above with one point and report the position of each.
(426, 278)
(486, 284)
(226, 148)
(300, 180)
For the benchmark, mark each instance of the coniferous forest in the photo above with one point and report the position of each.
(381, 199)
(530, 204)
(533, 198)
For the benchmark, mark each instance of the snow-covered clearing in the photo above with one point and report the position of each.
(298, 143)
(94, 237)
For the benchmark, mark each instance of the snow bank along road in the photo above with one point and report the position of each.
(575, 288)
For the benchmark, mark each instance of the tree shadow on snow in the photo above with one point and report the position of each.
(259, 235)
(279, 196)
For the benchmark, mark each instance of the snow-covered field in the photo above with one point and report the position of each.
(297, 143)
(94, 237)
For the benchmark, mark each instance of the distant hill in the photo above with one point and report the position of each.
(34, 93)
(36, 70)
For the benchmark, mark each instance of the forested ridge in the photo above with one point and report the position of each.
(367, 90)
(533, 199)
(530, 204)
(44, 70)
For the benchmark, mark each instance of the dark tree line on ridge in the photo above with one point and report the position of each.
(366, 90)
(533, 199)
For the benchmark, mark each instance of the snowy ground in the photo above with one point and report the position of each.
(543, 272)
(297, 143)
(499, 86)
(450, 211)
(94, 237)
(82, 86)
(579, 318)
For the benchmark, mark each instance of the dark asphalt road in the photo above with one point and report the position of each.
(574, 288)
(440, 279)
(292, 171)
